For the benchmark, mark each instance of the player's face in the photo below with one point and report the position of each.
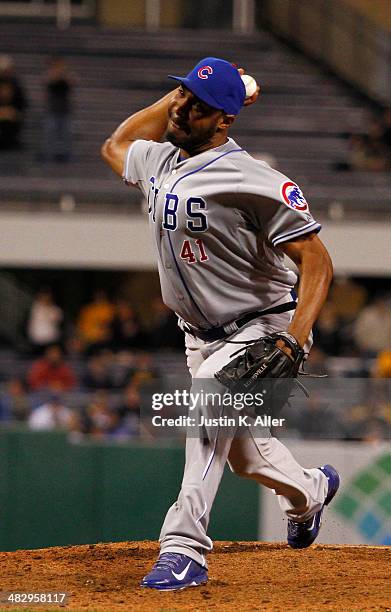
(193, 125)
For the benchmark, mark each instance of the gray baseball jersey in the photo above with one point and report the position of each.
(218, 219)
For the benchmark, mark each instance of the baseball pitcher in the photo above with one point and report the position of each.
(222, 223)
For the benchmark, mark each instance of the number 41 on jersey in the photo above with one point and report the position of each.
(193, 254)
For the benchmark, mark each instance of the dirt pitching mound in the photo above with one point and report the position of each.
(249, 575)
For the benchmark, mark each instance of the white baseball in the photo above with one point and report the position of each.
(250, 85)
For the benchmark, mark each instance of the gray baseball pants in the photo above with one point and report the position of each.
(257, 455)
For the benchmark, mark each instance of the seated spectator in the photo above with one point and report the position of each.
(15, 404)
(327, 332)
(368, 152)
(347, 297)
(163, 331)
(51, 415)
(94, 321)
(123, 368)
(44, 321)
(382, 368)
(316, 419)
(98, 374)
(12, 105)
(126, 331)
(51, 372)
(317, 362)
(145, 372)
(129, 410)
(130, 403)
(387, 128)
(76, 427)
(98, 415)
(372, 328)
(366, 423)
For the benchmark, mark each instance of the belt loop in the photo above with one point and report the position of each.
(230, 328)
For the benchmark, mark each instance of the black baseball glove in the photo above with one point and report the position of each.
(261, 360)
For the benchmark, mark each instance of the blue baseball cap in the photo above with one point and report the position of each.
(216, 82)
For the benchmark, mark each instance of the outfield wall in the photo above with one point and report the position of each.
(53, 493)
(56, 493)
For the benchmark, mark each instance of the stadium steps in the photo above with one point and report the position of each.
(300, 121)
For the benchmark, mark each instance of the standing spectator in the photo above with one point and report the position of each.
(372, 329)
(95, 320)
(14, 402)
(51, 415)
(44, 322)
(51, 372)
(13, 104)
(57, 123)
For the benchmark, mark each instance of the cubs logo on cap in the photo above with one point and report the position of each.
(204, 72)
(293, 196)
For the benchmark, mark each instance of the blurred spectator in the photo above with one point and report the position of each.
(347, 297)
(44, 322)
(387, 128)
(129, 410)
(51, 372)
(98, 374)
(372, 329)
(74, 347)
(12, 105)
(15, 404)
(51, 415)
(382, 367)
(368, 152)
(163, 329)
(99, 415)
(130, 403)
(76, 427)
(126, 332)
(327, 331)
(123, 368)
(366, 423)
(145, 371)
(317, 362)
(57, 121)
(95, 320)
(316, 420)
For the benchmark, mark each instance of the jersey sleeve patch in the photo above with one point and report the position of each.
(293, 196)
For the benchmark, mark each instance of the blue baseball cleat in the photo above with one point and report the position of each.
(302, 535)
(174, 571)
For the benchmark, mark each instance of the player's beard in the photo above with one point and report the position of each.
(192, 143)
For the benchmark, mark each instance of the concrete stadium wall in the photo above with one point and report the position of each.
(117, 242)
(55, 493)
(123, 13)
